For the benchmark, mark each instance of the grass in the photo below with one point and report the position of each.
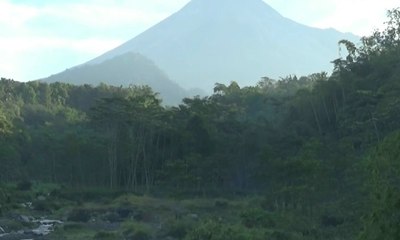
(135, 230)
(73, 234)
(115, 215)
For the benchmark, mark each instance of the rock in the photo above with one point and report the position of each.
(41, 198)
(43, 230)
(25, 219)
(48, 222)
(27, 205)
(46, 227)
(194, 216)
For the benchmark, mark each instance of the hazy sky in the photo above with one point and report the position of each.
(43, 37)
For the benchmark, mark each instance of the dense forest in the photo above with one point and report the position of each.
(329, 142)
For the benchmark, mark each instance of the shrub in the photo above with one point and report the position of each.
(79, 215)
(136, 231)
(106, 236)
(253, 218)
(212, 230)
(111, 217)
(73, 227)
(24, 185)
(124, 212)
(45, 205)
(178, 228)
(84, 195)
(221, 204)
(331, 221)
(278, 235)
(42, 206)
(143, 216)
(4, 197)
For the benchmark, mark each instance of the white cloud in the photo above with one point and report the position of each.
(102, 16)
(23, 58)
(357, 16)
(92, 46)
(13, 16)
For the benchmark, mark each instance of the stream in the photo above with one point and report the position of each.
(42, 227)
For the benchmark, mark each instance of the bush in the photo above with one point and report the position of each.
(84, 195)
(278, 235)
(124, 212)
(42, 206)
(45, 205)
(24, 185)
(212, 230)
(221, 204)
(137, 231)
(254, 218)
(106, 236)
(178, 228)
(331, 221)
(73, 227)
(79, 215)
(143, 216)
(4, 197)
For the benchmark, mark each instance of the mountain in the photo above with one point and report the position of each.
(124, 70)
(210, 41)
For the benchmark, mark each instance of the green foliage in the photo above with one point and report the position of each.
(46, 205)
(384, 168)
(87, 194)
(137, 231)
(212, 230)
(72, 227)
(106, 236)
(5, 124)
(4, 198)
(257, 218)
(278, 235)
(300, 141)
(222, 204)
(79, 215)
(178, 228)
(24, 185)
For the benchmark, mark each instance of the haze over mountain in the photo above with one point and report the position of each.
(211, 41)
(124, 70)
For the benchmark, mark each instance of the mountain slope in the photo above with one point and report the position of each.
(210, 41)
(125, 69)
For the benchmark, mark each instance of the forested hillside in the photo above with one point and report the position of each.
(321, 144)
(124, 70)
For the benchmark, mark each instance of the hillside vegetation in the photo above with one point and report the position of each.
(321, 152)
